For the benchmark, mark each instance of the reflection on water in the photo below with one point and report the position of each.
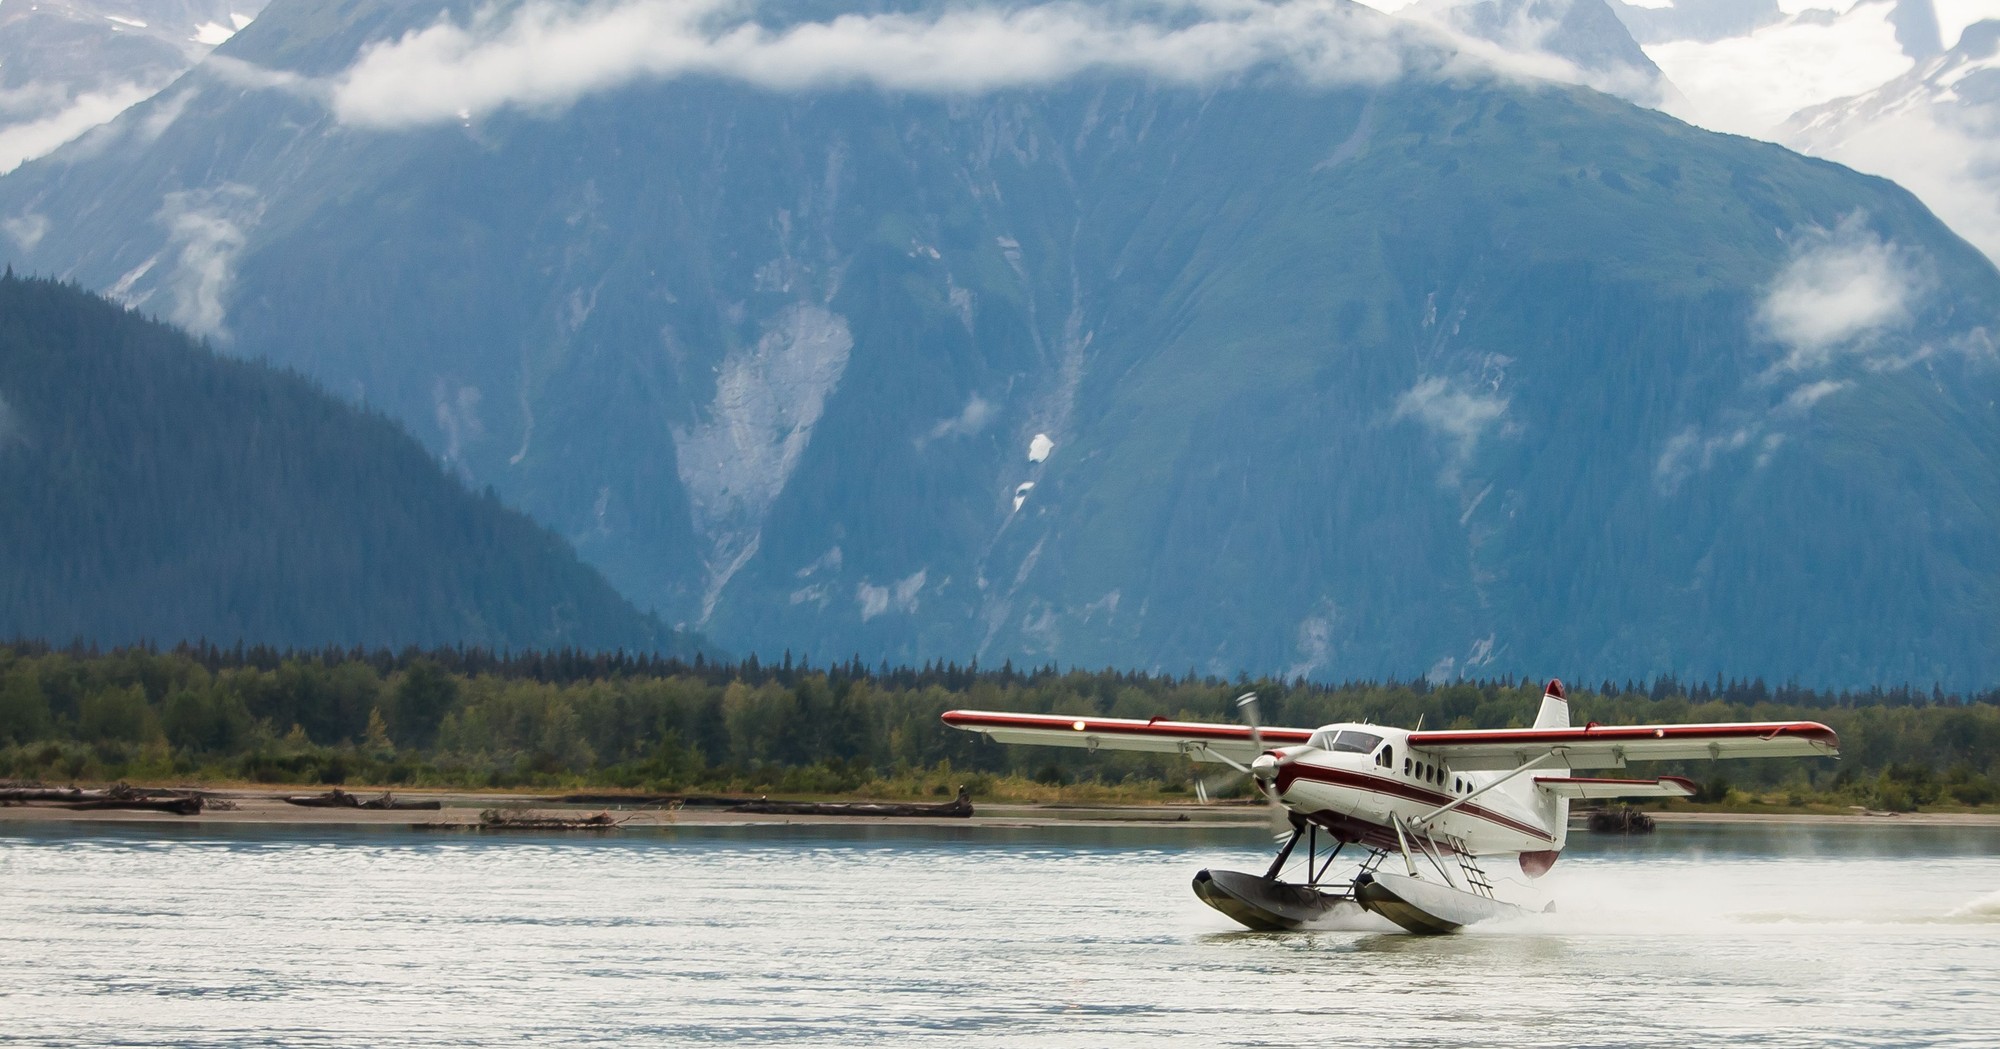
(1852, 935)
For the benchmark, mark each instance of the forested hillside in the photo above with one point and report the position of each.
(473, 718)
(157, 491)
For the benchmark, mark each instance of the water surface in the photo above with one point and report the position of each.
(131, 935)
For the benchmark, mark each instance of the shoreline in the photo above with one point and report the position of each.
(461, 811)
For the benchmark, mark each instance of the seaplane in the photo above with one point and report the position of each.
(1441, 804)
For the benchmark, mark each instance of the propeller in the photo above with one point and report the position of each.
(1262, 770)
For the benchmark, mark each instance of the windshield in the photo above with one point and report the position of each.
(1356, 742)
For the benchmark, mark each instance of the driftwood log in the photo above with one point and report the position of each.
(959, 807)
(182, 806)
(1623, 820)
(500, 819)
(119, 796)
(650, 800)
(340, 799)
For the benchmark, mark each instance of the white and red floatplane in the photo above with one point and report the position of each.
(1441, 803)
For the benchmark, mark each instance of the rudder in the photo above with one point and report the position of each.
(1555, 708)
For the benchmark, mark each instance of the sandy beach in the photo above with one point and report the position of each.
(462, 810)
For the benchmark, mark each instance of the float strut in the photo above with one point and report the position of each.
(1283, 855)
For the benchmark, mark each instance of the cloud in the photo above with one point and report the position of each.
(26, 229)
(1841, 288)
(206, 229)
(1949, 158)
(977, 414)
(20, 143)
(1689, 452)
(1801, 400)
(541, 56)
(1459, 415)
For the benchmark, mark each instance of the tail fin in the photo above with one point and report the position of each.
(1552, 807)
(1555, 709)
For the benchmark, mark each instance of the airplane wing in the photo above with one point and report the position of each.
(1198, 740)
(1586, 787)
(1610, 747)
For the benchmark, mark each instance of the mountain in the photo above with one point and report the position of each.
(1935, 129)
(157, 491)
(1286, 338)
(67, 66)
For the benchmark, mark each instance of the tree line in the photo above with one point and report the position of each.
(473, 717)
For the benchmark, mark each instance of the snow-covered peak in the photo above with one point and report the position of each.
(1935, 129)
(67, 66)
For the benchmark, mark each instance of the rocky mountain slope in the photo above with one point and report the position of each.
(1037, 335)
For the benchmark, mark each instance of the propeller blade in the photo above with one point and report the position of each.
(1247, 703)
(1207, 787)
(1281, 817)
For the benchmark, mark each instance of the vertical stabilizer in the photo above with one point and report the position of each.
(1555, 709)
(1555, 810)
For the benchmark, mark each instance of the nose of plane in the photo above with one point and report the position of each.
(1265, 767)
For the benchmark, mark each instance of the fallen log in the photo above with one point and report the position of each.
(1625, 820)
(116, 796)
(25, 795)
(650, 800)
(389, 801)
(183, 806)
(957, 808)
(332, 799)
(340, 799)
(497, 819)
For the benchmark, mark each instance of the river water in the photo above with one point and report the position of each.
(1073, 936)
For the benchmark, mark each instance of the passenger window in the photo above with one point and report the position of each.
(1406, 766)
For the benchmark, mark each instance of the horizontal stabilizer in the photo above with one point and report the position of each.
(1591, 788)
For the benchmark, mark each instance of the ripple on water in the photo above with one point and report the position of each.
(1066, 937)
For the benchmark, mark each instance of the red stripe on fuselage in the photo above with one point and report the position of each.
(1387, 785)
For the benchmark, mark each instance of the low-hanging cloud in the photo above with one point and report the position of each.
(206, 229)
(1841, 289)
(977, 414)
(1459, 415)
(22, 142)
(543, 57)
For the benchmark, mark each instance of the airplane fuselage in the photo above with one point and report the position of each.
(1362, 796)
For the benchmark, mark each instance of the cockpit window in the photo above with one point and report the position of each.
(1356, 742)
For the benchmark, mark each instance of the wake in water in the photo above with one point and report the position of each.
(1708, 900)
